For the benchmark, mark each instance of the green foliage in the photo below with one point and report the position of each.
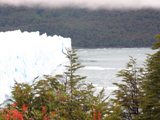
(151, 86)
(81, 94)
(62, 97)
(126, 103)
(40, 94)
(156, 45)
(76, 89)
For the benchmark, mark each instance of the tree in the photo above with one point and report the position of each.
(39, 99)
(151, 85)
(125, 105)
(60, 97)
(81, 94)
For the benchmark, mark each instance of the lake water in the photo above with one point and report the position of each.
(102, 65)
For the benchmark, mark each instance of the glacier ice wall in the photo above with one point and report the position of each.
(26, 55)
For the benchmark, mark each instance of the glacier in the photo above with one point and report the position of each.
(26, 55)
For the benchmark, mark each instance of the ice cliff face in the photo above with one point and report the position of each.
(26, 55)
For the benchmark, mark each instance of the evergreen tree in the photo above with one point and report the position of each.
(81, 94)
(125, 105)
(151, 86)
(62, 97)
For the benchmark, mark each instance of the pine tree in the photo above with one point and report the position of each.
(79, 92)
(151, 86)
(125, 105)
(83, 103)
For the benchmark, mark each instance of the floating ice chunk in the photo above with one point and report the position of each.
(26, 55)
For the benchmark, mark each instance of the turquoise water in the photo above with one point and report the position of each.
(102, 65)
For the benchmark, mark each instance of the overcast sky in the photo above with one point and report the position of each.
(90, 4)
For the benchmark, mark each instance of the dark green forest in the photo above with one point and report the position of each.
(88, 29)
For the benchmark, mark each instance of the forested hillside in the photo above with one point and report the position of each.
(89, 29)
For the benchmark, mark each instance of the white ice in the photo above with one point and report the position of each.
(26, 55)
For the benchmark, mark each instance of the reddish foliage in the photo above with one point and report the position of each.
(14, 105)
(53, 114)
(94, 115)
(24, 108)
(44, 111)
(13, 115)
(97, 115)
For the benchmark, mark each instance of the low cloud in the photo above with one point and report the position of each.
(90, 4)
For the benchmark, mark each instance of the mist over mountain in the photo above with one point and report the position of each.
(87, 4)
(87, 28)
